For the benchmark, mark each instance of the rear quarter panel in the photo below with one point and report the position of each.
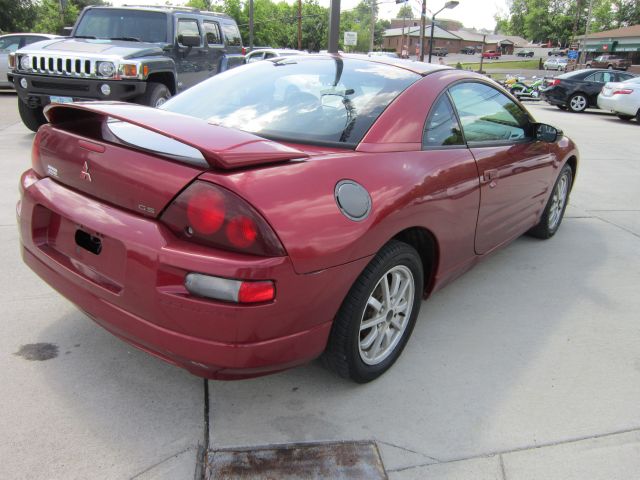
(437, 190)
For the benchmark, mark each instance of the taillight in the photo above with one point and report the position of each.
(211, 215)
(554, 82)
(623, 91)
(244, 51)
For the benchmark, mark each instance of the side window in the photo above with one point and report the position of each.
(270, 55)
(595, 77)
(624, 76)
(232, 35)
(442, 127)
(608, 77)
(10, 44)
(187, 28)
(256, 57)
(212, 33)
(33, 39)
(488, 116)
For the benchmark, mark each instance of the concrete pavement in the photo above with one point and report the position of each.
(528, 367)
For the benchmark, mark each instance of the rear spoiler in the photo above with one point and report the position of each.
(221, 147)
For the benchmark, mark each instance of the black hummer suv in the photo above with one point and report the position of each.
(138, 54)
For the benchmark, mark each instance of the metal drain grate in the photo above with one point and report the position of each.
(343, 460)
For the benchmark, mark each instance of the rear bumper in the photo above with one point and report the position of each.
(139, 294)
(41, 87)
(618, 104)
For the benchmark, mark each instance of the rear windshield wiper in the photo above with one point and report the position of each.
(84, 36)
(130, 39)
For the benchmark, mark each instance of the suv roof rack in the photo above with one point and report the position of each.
(172, 8)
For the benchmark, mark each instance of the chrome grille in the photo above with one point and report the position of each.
(67, 66)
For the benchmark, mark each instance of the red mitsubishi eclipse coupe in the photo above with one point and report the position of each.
(286, 209)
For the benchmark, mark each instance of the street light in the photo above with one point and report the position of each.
(450, 4)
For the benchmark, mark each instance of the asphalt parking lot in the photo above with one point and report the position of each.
(527, 367)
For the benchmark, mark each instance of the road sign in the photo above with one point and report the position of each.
(572, 54)
(350, 39)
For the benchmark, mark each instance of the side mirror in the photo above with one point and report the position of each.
(189, 40)
(547, 133)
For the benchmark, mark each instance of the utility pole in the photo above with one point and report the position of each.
(484, 39)
(373, 24)
(334, 26)
(251, 24)
(583, 51)
(299, 24)
(423, 20)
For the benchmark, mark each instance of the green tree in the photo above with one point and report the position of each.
(50, 19)
(17, 15)
(405, 11)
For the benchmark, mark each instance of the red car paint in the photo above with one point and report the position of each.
(491, 54)
(135, 286)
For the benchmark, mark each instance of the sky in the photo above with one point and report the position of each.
(472, 13)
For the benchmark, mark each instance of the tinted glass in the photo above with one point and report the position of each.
(121, 23)
(487, 115)
(306, 99)
(575, 75)
(629, 78)
(442, 127)
(212, 32)
(601, 77)
(9, 44)
(188, 28)
(232, 34)
(34, 38)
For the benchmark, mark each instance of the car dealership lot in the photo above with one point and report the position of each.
(526, 367)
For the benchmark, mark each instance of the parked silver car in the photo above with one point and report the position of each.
(621, 98)
(9, 44)
(556, 63)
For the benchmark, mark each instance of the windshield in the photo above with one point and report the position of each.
(300, 99)
(123, 24)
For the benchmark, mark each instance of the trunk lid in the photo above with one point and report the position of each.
(140, 158)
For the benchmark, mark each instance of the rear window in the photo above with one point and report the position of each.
(138, 25)
(299, 99)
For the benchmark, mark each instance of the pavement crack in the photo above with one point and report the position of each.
(521, 449)
(504, 474)
(203, 449)
(618, 226)
(409, 450)
(139, 474)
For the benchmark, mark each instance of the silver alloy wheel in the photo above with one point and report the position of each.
(578, 103)
(160, 101)
(558, 200)
(386, 315)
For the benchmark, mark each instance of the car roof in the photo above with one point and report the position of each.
(164, 9)
(33, 34)
(421, 68)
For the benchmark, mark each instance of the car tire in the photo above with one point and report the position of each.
(588, 65)
(578, 103)
(33, 118)
(556, 205)
(610, 67)
(353, 351)
(625, 117)
(155, 95)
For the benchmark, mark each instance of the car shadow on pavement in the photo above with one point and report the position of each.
(463, 385)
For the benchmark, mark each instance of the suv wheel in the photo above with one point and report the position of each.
(578, 103)
(155, 95)
(31, 117)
